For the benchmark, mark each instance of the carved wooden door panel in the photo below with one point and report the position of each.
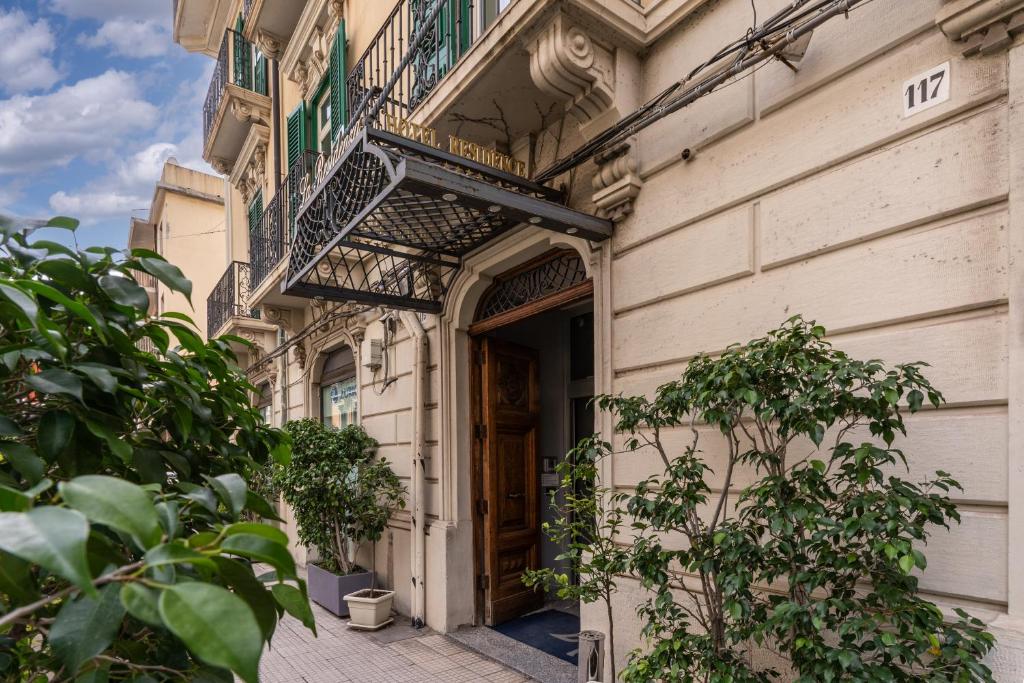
(510, 410)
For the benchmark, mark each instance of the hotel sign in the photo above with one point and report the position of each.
(417, 133)
(456, 145)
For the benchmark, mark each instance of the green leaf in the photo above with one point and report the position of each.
(295, 603)
(72, 306)
(100, 376)
(216, 625)
(13, 500)
(56, 381)
(907, 564)
(8, 427)
(263, 550)
(175, 553)
(63, 222)
(141, 603)
(261, 507)
(86, 626)
(282, 454)
(125, 291)
(238, 576)
(118, 447)
(265, 530)
(168, 274)
(16, 581)
(116, 503)
(55, 431)
(53, 538)
(232, 489)
(24, 459)
(22, 300)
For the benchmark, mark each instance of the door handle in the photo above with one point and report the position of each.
(515, 496)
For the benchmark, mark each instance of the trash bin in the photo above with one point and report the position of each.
(591, 657)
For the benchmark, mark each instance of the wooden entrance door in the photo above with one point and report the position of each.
(509, 412)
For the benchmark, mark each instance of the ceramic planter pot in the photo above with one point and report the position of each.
(329, 590)
(370, 609)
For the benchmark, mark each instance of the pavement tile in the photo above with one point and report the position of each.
(343, 655)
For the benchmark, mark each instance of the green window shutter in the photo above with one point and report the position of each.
(339, 88)
(296, 133)
(255, 212)
(261, 74)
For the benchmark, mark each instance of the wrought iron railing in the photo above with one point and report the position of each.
(419, 43)
(238, 63)
(230, 298)
(269, 240)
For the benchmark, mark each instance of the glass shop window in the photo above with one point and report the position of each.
(339, 390)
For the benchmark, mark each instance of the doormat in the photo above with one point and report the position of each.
(551, 631)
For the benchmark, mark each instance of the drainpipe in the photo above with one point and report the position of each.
(412, 323)
(275, 113)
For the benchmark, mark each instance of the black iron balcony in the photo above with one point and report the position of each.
(229, 298)
(239, 63)
(269, 240)
(416, 47)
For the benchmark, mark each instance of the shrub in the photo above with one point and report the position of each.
(341, 496)
(588, 522)
(815, 560)
(123, 479)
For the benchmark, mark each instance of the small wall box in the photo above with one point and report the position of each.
(372, 352)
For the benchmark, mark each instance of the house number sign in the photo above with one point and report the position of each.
(927, 90)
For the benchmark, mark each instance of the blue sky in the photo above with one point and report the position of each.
(94, 96)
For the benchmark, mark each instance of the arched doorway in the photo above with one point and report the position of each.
(532, 377)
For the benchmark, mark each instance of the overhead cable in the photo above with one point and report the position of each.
(758, 45)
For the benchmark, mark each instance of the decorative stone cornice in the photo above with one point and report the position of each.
(270, 45)
(250, 171)
(281, 317)
(981, 26)
(221, 165)
(248, 112)
(568, 64)
(616, 183)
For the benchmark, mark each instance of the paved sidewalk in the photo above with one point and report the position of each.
(342, 655)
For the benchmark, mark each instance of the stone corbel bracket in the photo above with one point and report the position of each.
(599, 85)
(616, 183)
(982, 27)
(270, 45)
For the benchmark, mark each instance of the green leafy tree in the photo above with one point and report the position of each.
(340, 494)
(588, 521)
(815, 559)
(123, 554)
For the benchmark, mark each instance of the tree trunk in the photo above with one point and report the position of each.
(611, 634)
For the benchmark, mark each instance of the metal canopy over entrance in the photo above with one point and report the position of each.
(389, 222)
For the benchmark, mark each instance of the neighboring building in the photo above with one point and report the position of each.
(463, 315)
(185, 225)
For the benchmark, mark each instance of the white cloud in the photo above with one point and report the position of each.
(25, 50)
(130, 38)
(128, 187)
(105, 10)
(144, 167)
(88, 207)
(85, 118)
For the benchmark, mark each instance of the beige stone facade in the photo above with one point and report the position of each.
(185, 224)
(806, 188)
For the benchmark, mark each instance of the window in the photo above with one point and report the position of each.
(265, 402)
(339, 390)
(491, 9)
(323, 118)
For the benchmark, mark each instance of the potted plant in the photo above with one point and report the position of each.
(341, 497)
